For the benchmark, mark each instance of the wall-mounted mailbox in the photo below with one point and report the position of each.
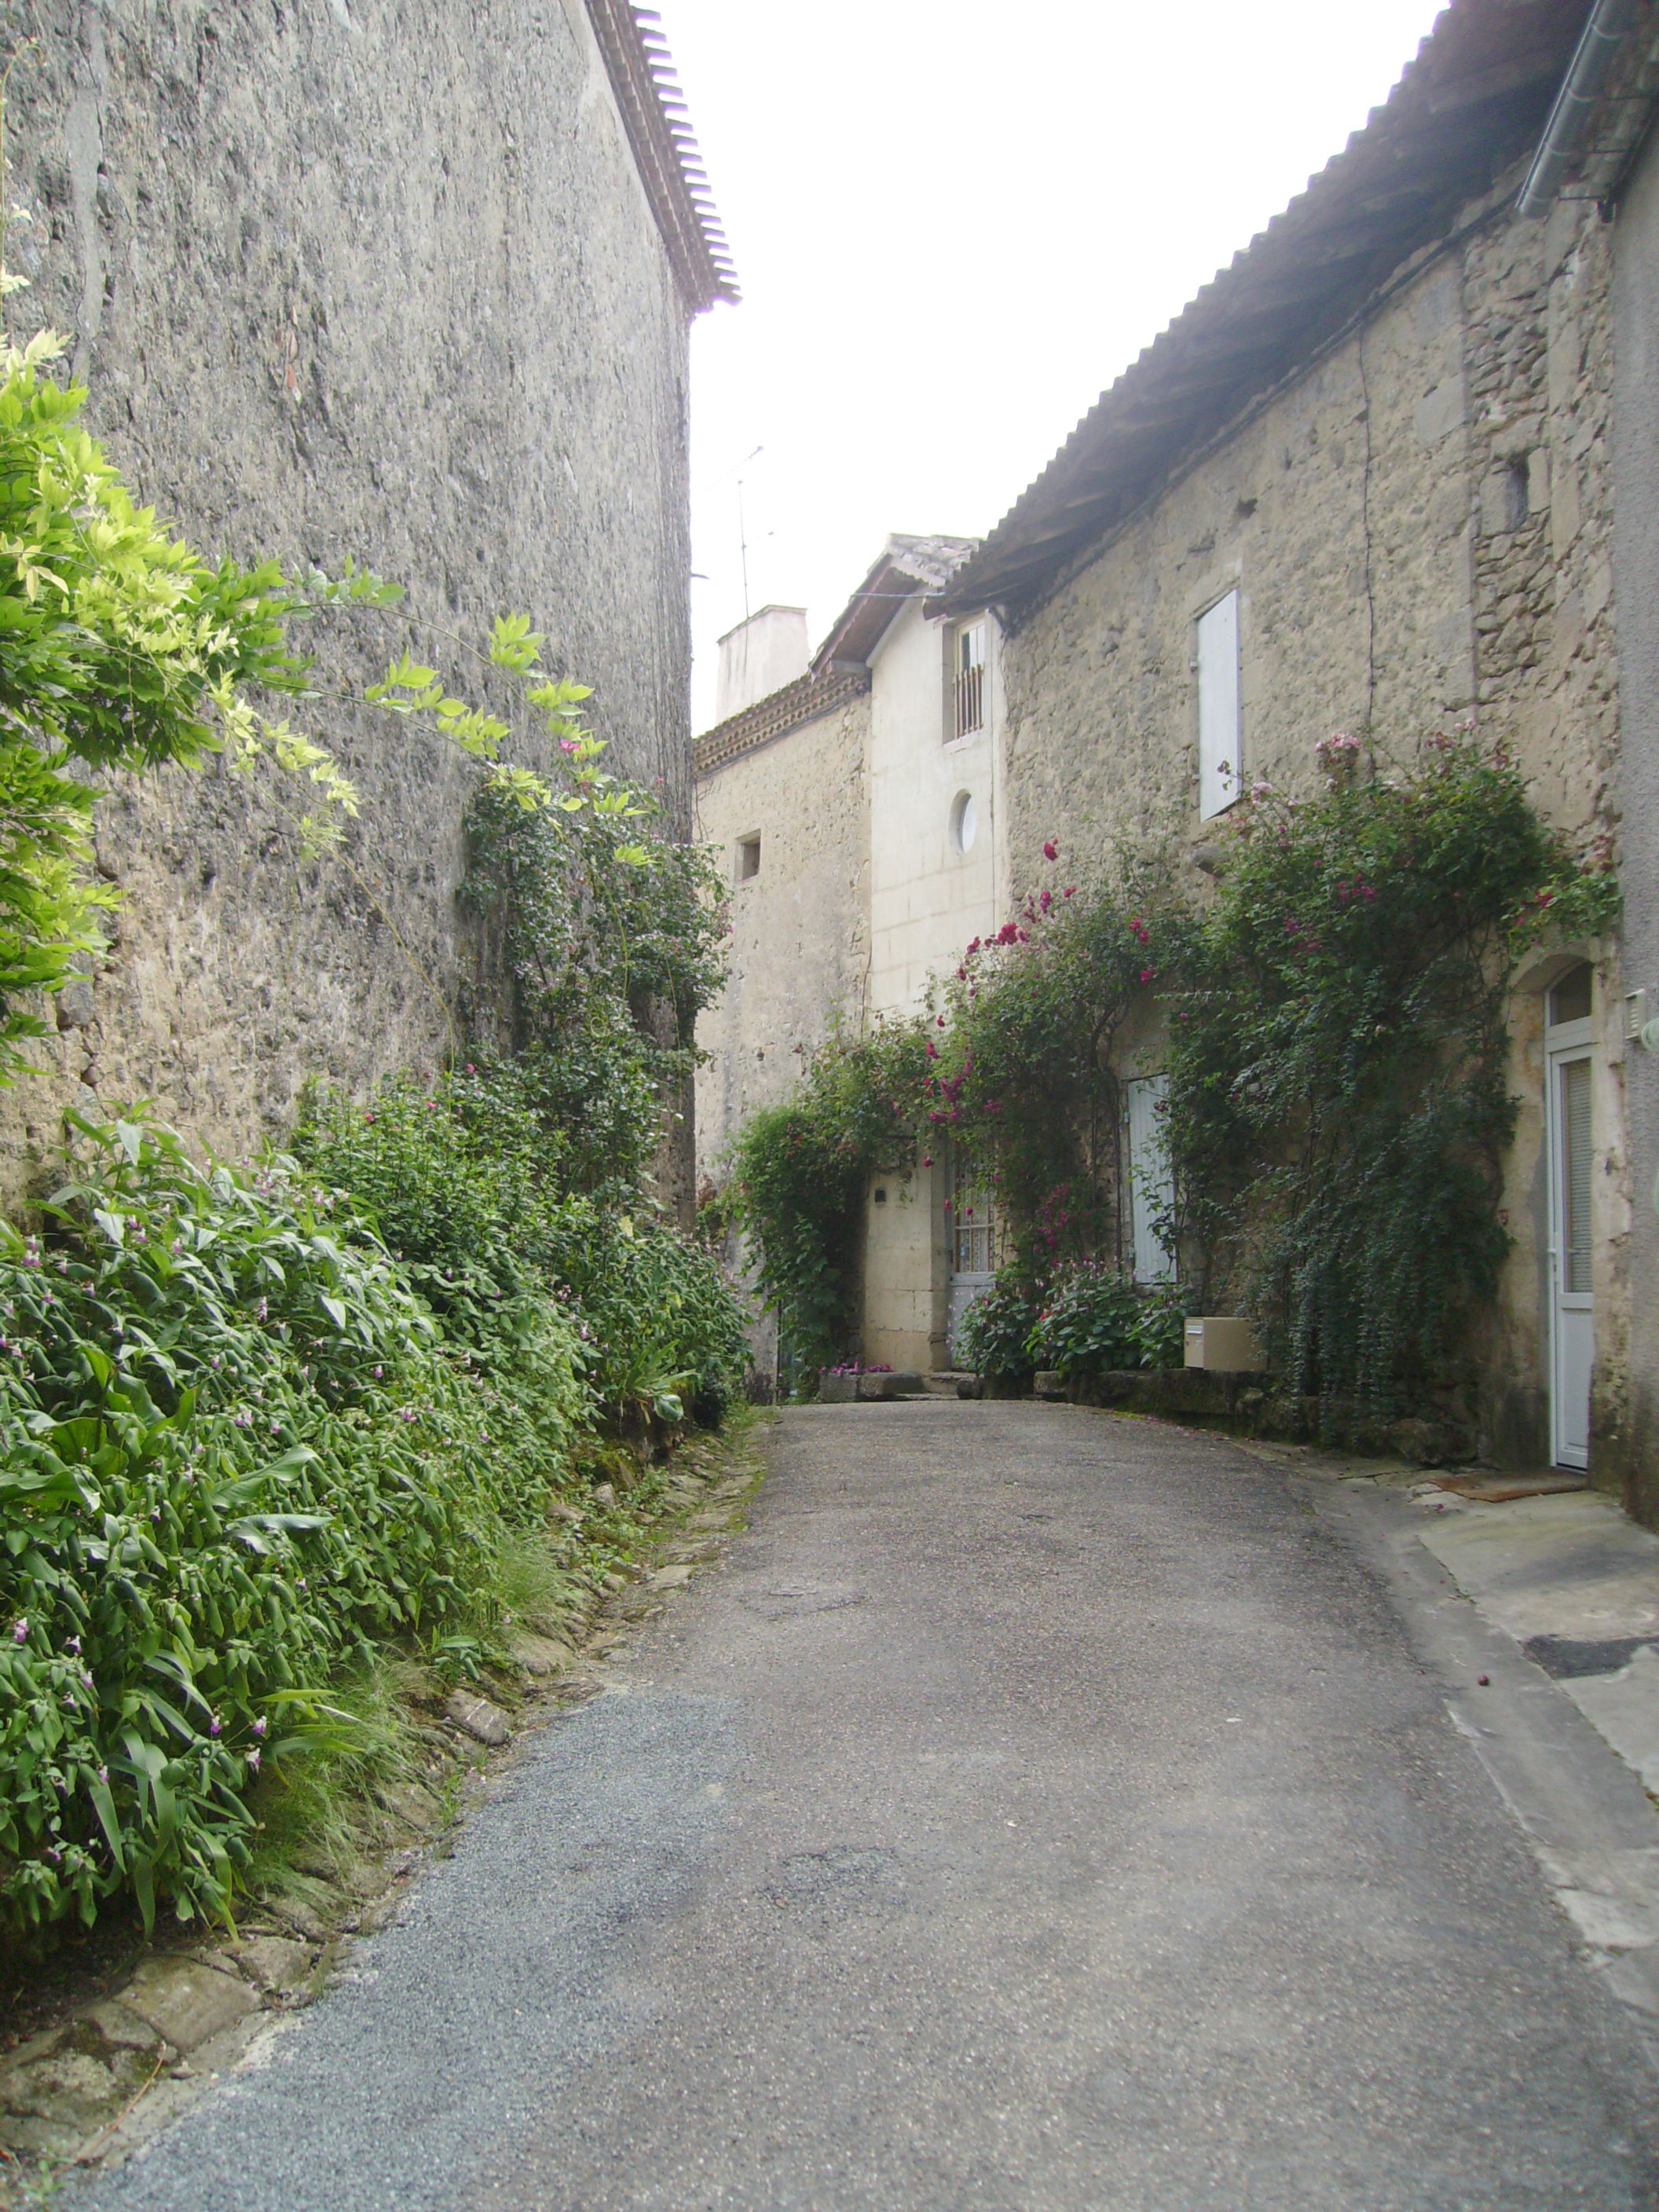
(1224, 1343)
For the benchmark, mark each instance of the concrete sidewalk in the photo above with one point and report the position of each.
(1576, 1582)
(1539, 1615)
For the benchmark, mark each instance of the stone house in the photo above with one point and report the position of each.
(1603, 149)
(858, 807)
(413, 287)
(1363, 482)
(1366, 480)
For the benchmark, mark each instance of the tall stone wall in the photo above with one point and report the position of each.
(1420, 530)
(349, 278)
(1636, 471)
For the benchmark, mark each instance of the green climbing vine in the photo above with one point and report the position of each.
(1333, 1033)
(612, 938)
(800, 1171)
(1339, 1100)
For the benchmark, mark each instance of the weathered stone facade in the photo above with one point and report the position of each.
(800, 948)
(1418, 528)
(859, 811)
(1413, 500)
(361, 279)
(1635, 468)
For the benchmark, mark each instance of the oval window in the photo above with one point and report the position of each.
(964, 820)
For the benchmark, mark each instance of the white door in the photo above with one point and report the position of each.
(970, 1243)
(1571, 1305)
(1151, 1186)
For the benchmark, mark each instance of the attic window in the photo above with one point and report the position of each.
(967, 679)
(748, 858)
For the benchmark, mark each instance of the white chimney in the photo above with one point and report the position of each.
(759, 657)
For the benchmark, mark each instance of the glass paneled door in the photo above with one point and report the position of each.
(1152, 1184)
(1570, 1135)
(970, 1242)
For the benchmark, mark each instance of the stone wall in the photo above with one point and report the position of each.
(1636, 471)
(1419, 526)
(365, 277)
(798, 956)
(800, 946)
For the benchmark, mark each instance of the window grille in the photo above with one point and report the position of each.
(970, 1232)
(968, 680)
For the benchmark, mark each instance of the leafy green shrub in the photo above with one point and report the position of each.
(664, 1332)
(236, 1454)
(1097, 1321)
(1338, 1101)
(799, 1176)
(993, 1338)
(1161, 1326)
(1090, 1322)
(451, 1172)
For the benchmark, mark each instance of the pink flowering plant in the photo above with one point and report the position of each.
(1027, 1087)
(1339, 1098)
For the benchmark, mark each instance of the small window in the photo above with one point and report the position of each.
(967, 680)
(1219, 722)
(1570, 999)
(1517, 495)
(964, 821)
(748, 858)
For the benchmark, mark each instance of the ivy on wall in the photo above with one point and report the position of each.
(1339, 1102)
(613, 947)
(1336, 1050)
(800, 1172)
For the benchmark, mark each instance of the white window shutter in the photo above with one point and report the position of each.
(1219, 721)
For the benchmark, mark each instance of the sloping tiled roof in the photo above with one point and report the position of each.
(818, 692)
(647, 90)
(1468, 106)
(903, 564)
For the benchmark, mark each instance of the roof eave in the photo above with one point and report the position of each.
(648, 89)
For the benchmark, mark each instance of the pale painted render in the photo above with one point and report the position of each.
(763, 653)
(935, 807)
(862, 843)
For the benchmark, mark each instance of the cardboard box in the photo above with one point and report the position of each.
(1222, 1343)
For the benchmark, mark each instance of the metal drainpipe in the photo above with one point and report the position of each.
(1580, 90)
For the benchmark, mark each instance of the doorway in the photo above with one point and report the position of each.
(1152, 1184)
(970, 1243)
(1570, 1142)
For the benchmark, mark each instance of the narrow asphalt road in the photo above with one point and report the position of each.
(1038, 1811)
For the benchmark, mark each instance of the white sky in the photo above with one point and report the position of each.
(953, 225)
